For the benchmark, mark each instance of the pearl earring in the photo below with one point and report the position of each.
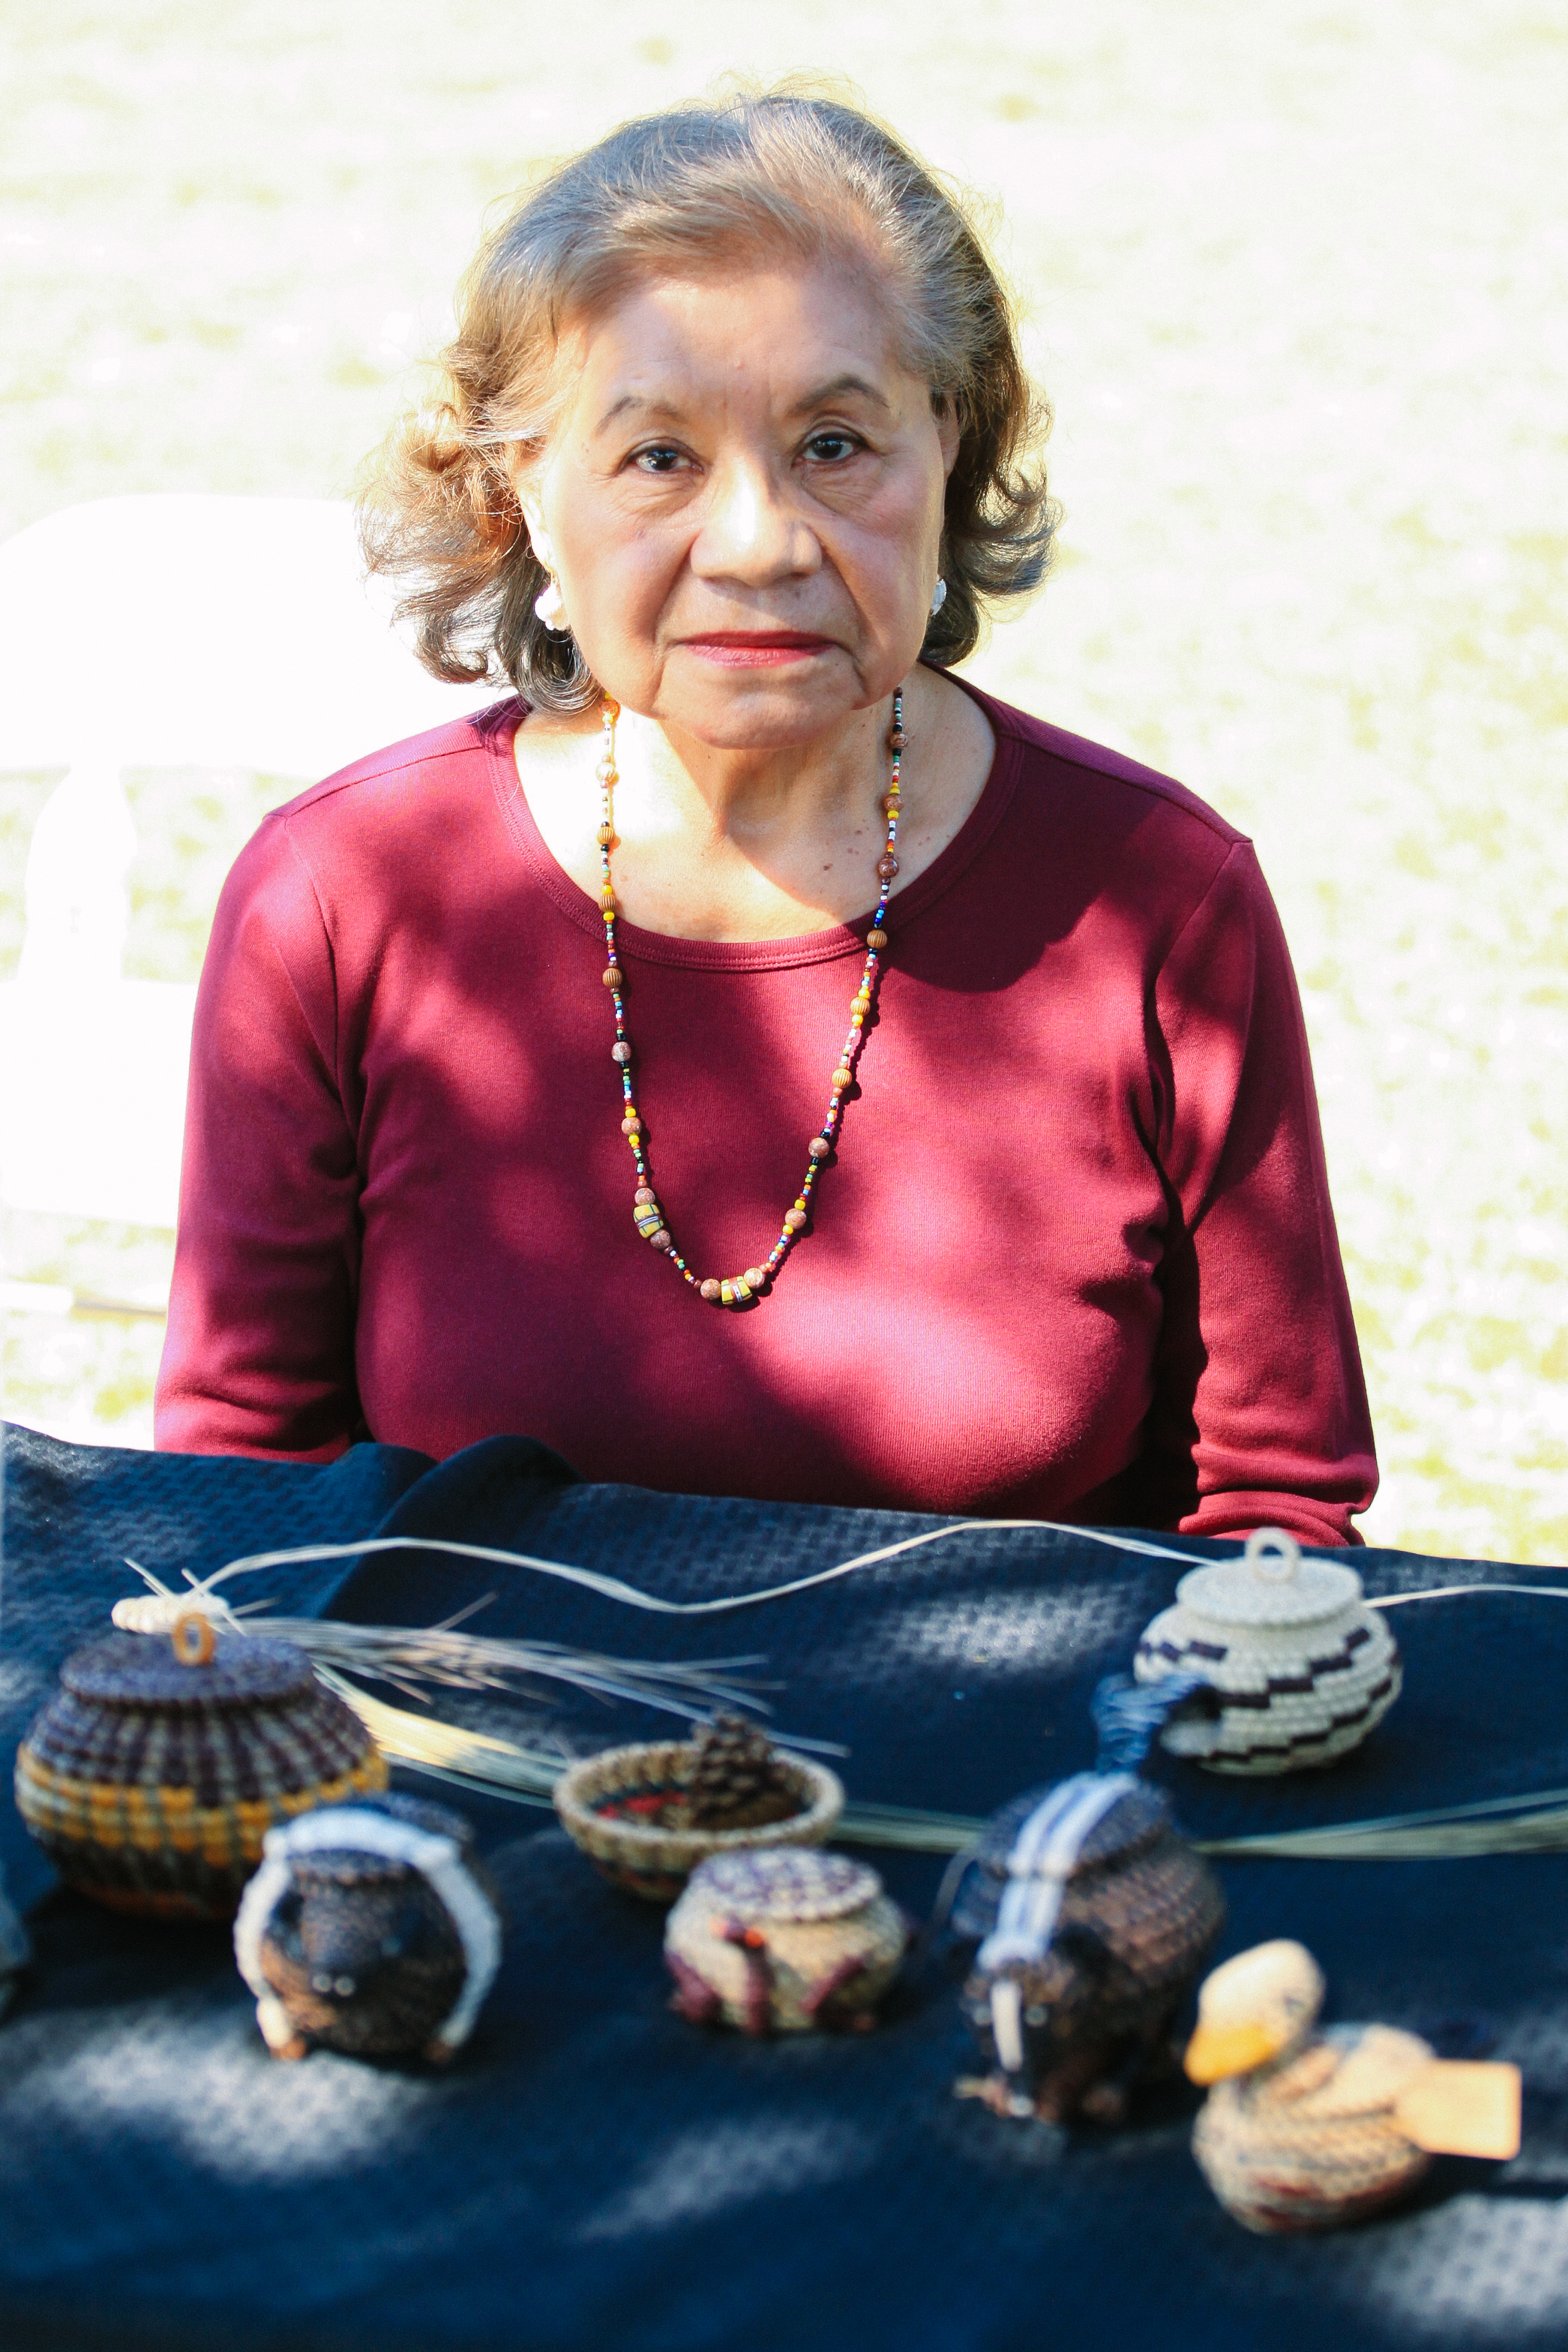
(938, 595)
(550, 604)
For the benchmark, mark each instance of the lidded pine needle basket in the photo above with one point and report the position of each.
(153, 1774)
(1303, 1667)
(783, 1941)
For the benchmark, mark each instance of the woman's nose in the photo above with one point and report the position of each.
(751, 533)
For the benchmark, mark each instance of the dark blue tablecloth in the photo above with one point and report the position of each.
(595, 2176)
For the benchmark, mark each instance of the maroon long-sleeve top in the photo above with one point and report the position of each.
(1073, 1257)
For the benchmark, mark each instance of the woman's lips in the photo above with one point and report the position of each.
(767, 649)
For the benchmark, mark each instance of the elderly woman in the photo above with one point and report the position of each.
(747, 1057)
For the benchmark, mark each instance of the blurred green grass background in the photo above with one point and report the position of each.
(1294, 280)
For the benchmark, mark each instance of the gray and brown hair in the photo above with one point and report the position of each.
(702, 185)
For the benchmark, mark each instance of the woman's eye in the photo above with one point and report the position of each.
(660, 461)
(831, 448)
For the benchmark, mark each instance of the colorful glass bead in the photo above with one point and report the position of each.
(647, 1219)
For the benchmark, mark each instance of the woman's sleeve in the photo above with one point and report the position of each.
(1259, 1415)
(259, 1357)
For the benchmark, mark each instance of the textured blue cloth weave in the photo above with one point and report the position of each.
(594, 2174)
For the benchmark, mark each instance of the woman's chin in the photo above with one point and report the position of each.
(773, 706)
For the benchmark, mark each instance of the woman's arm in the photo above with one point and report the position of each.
(259, 1357)
(1259, 1415)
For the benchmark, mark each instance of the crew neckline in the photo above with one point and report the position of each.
(755, 955)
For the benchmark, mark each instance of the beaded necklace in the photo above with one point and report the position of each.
(740, 1289)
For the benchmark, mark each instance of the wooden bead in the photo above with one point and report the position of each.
(897, 740)
(794, 1219)
(605, 835)
(842, 1077)
(710, 1289)
(607, 899)
(818, 1147)
(613, 976)
(755, 1277)
(661, 1240)
(630, 1126)
(644, 1197)
(876, 941)
(887, 866)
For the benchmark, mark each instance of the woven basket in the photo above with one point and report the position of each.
(628, 1809)
(157, 1769)
(1303, 1667)
(1286, 2150)
(776, 1942)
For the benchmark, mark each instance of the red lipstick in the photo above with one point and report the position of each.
(758, 648)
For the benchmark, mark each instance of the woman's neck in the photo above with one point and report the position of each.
(722, 845)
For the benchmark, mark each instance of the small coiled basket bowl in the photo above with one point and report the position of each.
(629, 1810)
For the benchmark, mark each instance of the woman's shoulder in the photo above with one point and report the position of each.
(1104, 781)
(408, 792)
(457, 754)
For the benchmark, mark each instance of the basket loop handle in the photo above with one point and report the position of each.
(193, 1638)
(1273, 1555)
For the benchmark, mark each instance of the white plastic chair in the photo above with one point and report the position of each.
(160, 632)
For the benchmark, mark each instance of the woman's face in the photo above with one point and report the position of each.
(742, 500)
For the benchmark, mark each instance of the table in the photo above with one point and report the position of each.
(594, 2174)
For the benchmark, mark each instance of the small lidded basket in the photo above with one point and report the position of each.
(647, 1814)
(783, 1941)
(1303, 1667)
(153, 1774)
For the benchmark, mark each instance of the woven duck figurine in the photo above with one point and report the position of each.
(1304, 2128)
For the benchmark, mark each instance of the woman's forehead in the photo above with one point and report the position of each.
(791, 333)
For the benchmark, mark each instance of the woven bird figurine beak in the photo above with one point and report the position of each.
(1306, 2128)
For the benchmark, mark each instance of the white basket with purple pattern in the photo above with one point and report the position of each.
(1303, 1667)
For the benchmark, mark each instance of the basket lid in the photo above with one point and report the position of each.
(145, 1670)
(1270, 1584)
(1134, 1815)
(781, 1882)
(1131, 1818)
(352, 1857)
